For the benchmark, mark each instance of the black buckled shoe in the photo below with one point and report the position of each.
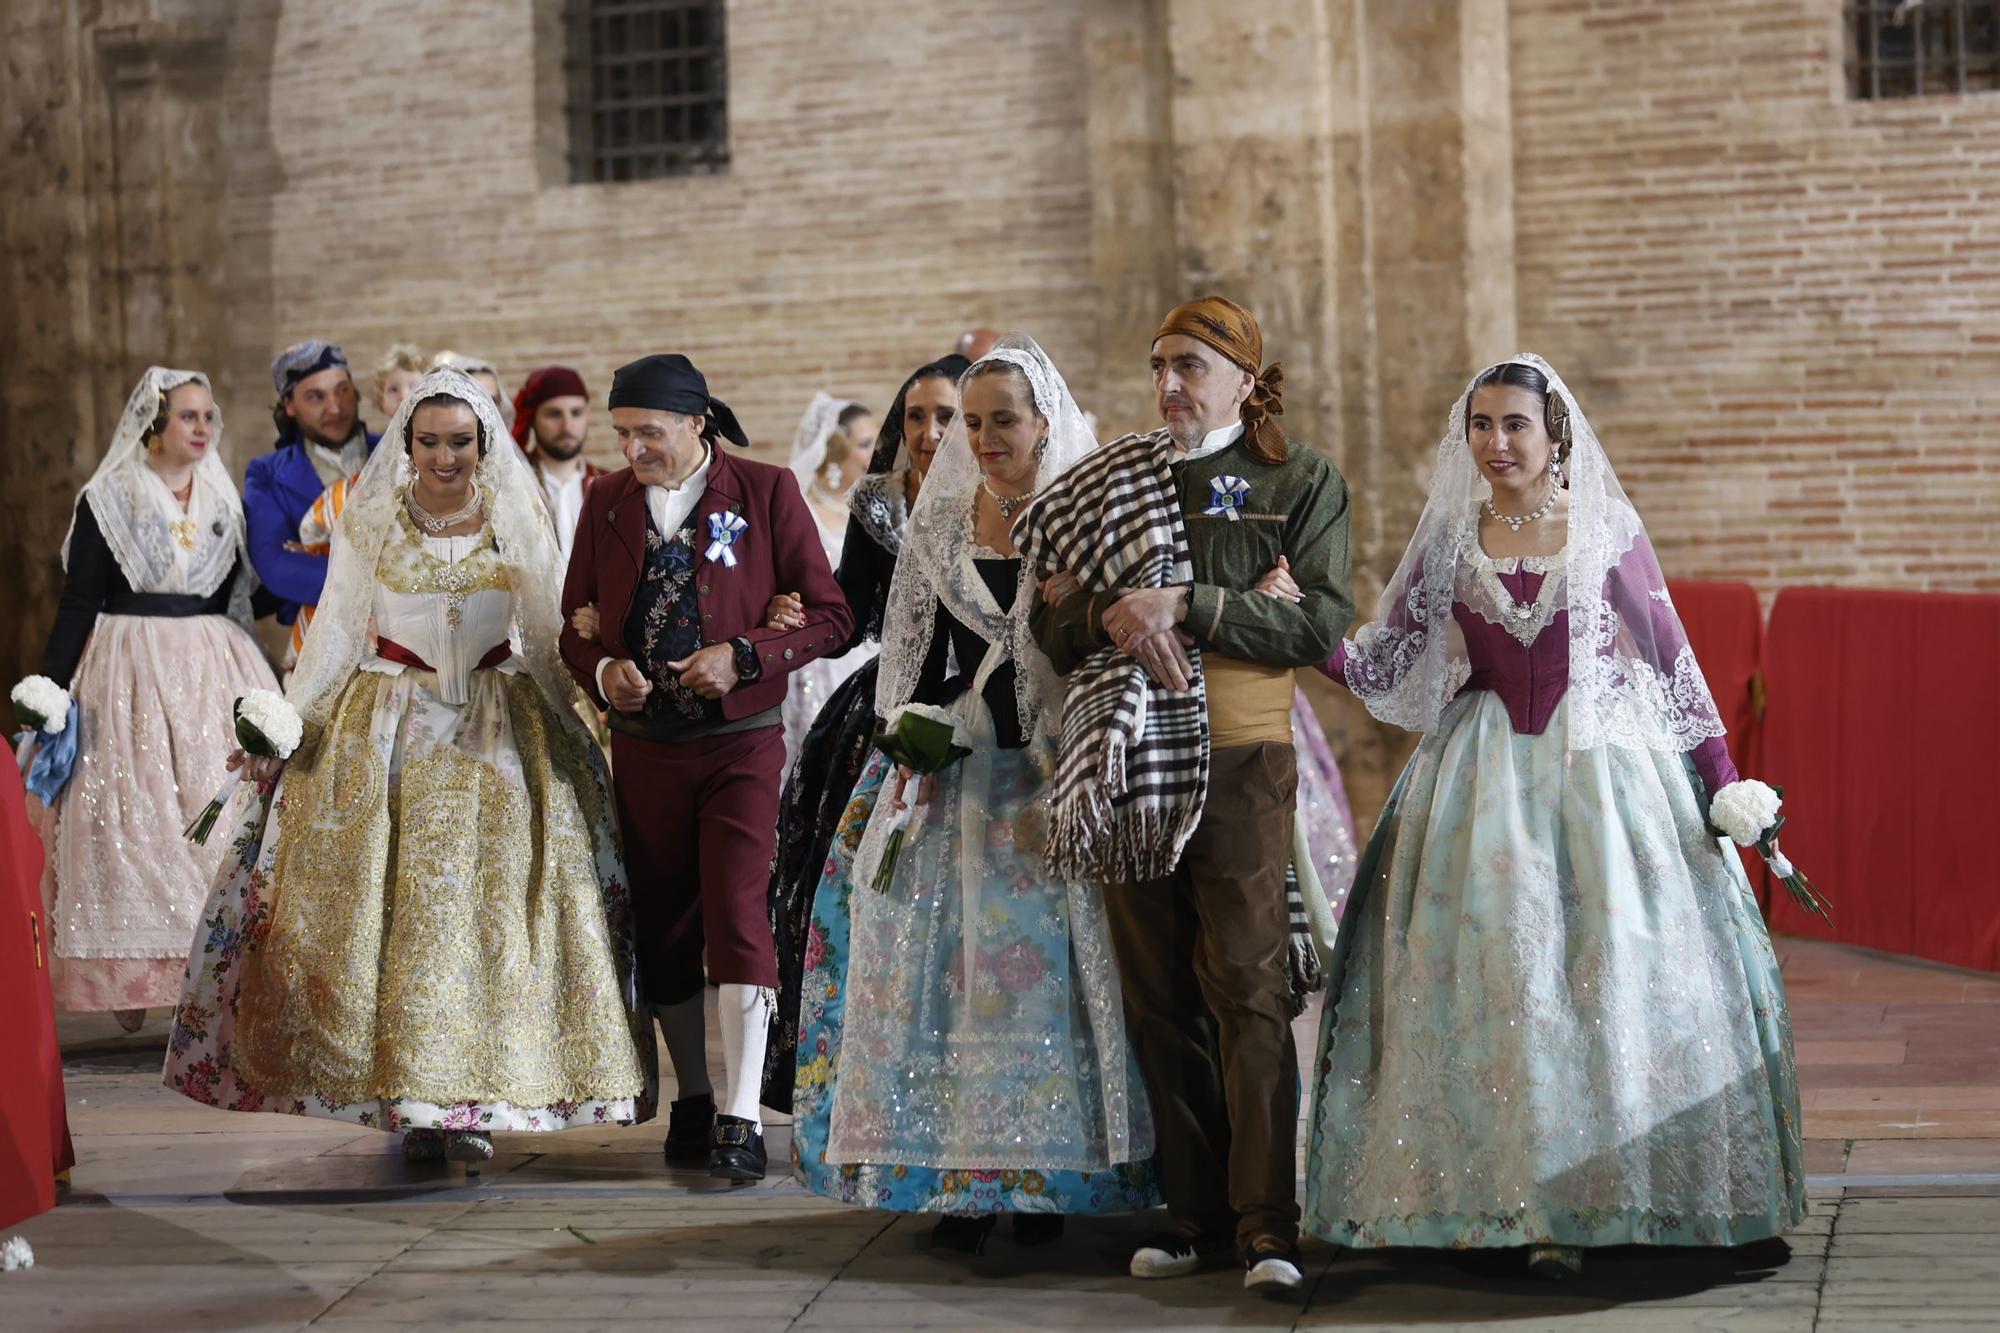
(738, 1153)
(690, 1130)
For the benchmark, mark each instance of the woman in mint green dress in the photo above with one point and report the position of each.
(1554, 1020)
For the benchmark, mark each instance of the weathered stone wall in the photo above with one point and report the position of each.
(1776, 304)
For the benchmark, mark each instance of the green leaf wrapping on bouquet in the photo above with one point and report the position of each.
(921, 744)
(253, 741)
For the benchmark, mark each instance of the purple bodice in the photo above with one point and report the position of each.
(1531, 678)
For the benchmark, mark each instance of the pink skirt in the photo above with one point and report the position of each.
(155, 698)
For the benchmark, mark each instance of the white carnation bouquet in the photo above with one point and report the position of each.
(1747, 813)
(42, 704)
(266, 726)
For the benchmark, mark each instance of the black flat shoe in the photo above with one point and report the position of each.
(690, 1130)
(737, 1153)
(1037, 1228)
(962, 1236)
(1555, 1263)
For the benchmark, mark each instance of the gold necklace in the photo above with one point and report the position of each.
(456, 580)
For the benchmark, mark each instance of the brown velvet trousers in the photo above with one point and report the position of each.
(1201, 955)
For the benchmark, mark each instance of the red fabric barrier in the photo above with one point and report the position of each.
(1725, 626)
(34, 1123)
(1883, 727)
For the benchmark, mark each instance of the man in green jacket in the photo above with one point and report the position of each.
(1202, 950)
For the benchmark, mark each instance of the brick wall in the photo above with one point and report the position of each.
(1780, 308)
(897, 174)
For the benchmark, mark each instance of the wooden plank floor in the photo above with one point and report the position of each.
(185, 1217)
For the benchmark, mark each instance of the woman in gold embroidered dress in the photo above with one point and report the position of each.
(432, 935)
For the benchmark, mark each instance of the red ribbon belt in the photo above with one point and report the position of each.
(391, 651)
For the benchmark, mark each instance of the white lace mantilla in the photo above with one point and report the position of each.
(160, 547)
(1633, 679)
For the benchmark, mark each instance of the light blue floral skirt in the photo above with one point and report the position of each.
(1554, 1014)
(937, 1068)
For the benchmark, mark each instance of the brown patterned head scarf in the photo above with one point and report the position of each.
(1232, 331)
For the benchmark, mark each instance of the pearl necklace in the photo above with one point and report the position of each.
(1514, 521)
(1008, 503)
(437, 523)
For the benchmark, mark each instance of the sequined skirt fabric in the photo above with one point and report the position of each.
(433, 929)
(154, 700)
(1556, 1015)
(962, 1093)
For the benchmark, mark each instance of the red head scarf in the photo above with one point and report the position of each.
(546, 383)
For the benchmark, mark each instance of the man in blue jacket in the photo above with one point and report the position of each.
(321, 439)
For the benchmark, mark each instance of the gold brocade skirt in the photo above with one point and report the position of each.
(434, 930)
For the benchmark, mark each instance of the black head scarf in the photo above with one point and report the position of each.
(670, 383)
(889, 440)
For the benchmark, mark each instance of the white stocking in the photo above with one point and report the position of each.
(684, 1025)
(745, 1017)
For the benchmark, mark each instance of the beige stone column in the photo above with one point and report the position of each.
(1345, 170)
(1434, 160)
(1134, 235)
(113, 261)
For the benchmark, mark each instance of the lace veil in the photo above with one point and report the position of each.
(136, 513)
(521, 533)
(816, 428)
(1633, 679)
(936, 561)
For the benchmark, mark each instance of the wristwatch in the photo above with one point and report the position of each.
(747, 665)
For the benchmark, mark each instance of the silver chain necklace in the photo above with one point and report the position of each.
(1008, 504)
(437, 523)
(1515, 522)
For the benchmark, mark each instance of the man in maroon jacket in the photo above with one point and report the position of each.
(681, 554)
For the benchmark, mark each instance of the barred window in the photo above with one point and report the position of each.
(648, 88)
(1921, 48)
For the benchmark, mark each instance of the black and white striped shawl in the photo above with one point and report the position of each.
(1132, 769)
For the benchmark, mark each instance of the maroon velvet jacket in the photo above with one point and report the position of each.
(779, 551)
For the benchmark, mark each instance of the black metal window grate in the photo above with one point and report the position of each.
(648, 85)
(1922, 48)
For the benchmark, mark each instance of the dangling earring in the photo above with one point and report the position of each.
(1556, 470)
(1041, 447)
(829, 477)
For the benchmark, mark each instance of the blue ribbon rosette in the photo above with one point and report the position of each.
(723, 530)
(1226, 497)
(54, 761)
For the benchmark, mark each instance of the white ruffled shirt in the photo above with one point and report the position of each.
(565, 501)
